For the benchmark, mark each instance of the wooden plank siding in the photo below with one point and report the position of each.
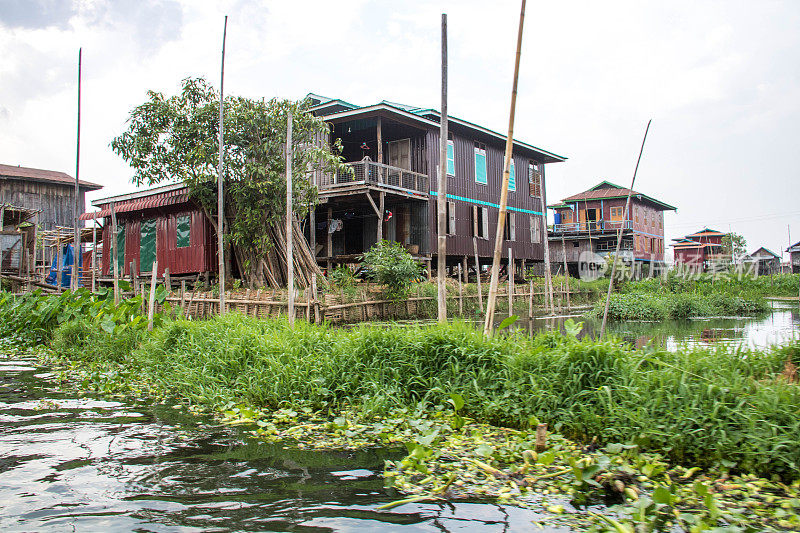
(55, 201)
(468, 192)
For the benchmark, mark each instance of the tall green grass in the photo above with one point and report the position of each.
(705, 407)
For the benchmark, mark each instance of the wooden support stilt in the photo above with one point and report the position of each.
(510, 270)
(152, 302)
(460, 293)
(113, 260)
(167, 280)
(530, 301)
(541, 438)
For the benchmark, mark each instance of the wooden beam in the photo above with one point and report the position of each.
(441, 195)
(373, 204)
(381, 207)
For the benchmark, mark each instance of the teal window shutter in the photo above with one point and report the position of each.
(451, 159)
(480, 165)
(512, 178)
(184, 229)
(147, 245)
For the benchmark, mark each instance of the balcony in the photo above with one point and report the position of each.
(371, 174)
(597, 226)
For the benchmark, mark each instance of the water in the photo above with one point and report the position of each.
(780, 325)
(70, 462)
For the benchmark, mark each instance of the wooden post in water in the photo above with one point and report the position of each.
(441, 191)
(510, 270)
(488, 323)
(530, 301)
(566, 270)
(289, 217)
(59, 261)
(478, 272)
(541, 437)
(114, 253)
(151, 308)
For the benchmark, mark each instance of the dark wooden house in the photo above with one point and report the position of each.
(766, 261)
(590, 222)
(157, 224)
(50, 193)
(390, 191)
(700, 251)
(794, 257)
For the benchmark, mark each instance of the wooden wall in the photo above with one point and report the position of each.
(56, 201)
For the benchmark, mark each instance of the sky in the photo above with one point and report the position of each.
(719, 79)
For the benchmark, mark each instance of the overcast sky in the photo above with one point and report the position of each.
(720, 80)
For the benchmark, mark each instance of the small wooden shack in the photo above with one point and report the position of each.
(768, 261)
(161, 224)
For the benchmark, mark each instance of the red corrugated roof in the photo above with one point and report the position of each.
(37, 174)
(140, 204)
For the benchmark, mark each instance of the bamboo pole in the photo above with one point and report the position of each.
(441, 193)
(94, 254)
(478, 272)
(151, 307)
(76, 246)
(619, 234)
(510, 282)
(530, 301)
(501, 215)
(220, 178)
(566, 270)
(289, 216)
(460, 292)
(548, 276)
(114, 252)
(59, 263)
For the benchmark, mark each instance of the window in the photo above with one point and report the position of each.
(536, 229)
(636, 210)
(451, 218)
(147, 245)
(566, 216)
(480, 222)
(184, 231)
(480, 163)
(510, 231)
(534, 179)
(512, 177)
(451, 158)
(616, 213)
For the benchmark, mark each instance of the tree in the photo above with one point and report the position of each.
(176, 138)
(734, 245)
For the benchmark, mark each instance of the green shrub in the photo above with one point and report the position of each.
(389, 264)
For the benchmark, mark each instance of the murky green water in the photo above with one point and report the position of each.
(78, 463)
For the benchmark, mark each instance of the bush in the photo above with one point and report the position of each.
(389, 264)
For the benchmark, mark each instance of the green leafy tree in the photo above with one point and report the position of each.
(389, 264)
(734, 245)
(176, 138)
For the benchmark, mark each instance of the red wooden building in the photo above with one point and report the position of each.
(700, 250)
(157, 224)
(590, 222)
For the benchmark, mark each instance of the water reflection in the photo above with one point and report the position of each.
(779, 326)
(74, 463)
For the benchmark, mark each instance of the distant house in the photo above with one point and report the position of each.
(768, 261)
(590, 222)
(49, 192)
(701, 250)
(794, 257)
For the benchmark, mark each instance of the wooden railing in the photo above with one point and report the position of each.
(371, 172)
(599, 225)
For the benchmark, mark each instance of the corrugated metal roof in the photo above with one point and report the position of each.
(605, 189)
(157, 198)
(38, 174)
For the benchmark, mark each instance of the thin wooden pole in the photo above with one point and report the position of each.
(289, 216)
(566, 271)
(510, 283)
(94, 254)
(114, 260)
(501, 215)
(619, 234)
(220, 178)
(76, 246)
(441, 193)
(151, 307)
(478, 272)
(530, 301)
(460, 292)
(548, 276)
(59, 261)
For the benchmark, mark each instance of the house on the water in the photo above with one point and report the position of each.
(49, 193)
(767, 261)
(700, 251)
(589, 222)
(794, 257)
(393, 152)
(389, 192)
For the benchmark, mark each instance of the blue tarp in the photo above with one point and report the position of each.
(66, 268)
